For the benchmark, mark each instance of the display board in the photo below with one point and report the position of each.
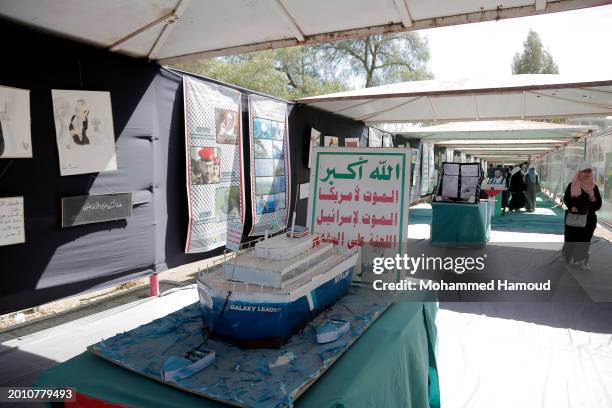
(375, 137)
(84, 131)
(387, 140)
(427, 168)
(91, 209)
(359, 196)
(15, 128)
(12, 226)
(270, 171)
(213, 148)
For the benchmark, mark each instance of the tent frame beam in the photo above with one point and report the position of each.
(485, 15)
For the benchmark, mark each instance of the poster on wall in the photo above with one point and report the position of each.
(315, 141)
(84, 131)
(330, 141)
(375, 137)
(359, 196)
(351, 142)
(269, 147)
(214, 163)
(15, 129)
(12, 226)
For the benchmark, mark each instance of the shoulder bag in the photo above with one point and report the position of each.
(576, 220)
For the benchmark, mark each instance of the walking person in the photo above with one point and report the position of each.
(517, 188)
(582, 200)
(532, 187)
(505, 199)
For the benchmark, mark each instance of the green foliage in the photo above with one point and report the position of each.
(302, 71)
(534, 59)
(288, 73)
(382, 59)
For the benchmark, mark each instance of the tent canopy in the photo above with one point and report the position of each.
(512, 97)
(495, 140)
(177, 30)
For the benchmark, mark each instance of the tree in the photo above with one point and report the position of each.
(288, 73)
(382, 59)
(302, 71)
(534, 59)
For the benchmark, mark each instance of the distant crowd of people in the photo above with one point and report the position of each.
(582, 200)
(522, 182)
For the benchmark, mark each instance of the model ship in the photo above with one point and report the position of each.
(267, 292)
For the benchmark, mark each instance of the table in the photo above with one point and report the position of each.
(392, 365)
(458, 224)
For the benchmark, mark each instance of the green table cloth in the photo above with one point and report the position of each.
(457, 224)
(392, 365)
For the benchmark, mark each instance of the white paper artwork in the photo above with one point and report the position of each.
(84, 131)
(12, 230)
(15, 133)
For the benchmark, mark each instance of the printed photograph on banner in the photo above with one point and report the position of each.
(263, 149)
(265, 204)
(278, 149)
(279, 201)
(330, 141)
(279, 167)
(15, 129)
(84, 131)
(264, 167)
(315, 141)
(351, 142)
(279, 184)
(226, 123)
(227, 203)
(278, 132)
(264, 185)
(205, 165)
(262, 128)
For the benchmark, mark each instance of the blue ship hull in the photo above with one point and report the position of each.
(267, 320)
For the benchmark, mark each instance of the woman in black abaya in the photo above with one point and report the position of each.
(582, 197)
(517, 188)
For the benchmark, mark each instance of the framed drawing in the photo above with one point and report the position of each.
(15, 129)
(84, 131)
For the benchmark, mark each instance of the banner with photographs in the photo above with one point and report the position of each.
(270, 177)
(84, 131)
(214, 163)
(15, 133)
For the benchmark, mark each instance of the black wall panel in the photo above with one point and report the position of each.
(148, 119)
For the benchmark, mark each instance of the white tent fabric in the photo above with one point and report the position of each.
(176, 30)
(513, 97)
(507, 362)
(495, 139)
